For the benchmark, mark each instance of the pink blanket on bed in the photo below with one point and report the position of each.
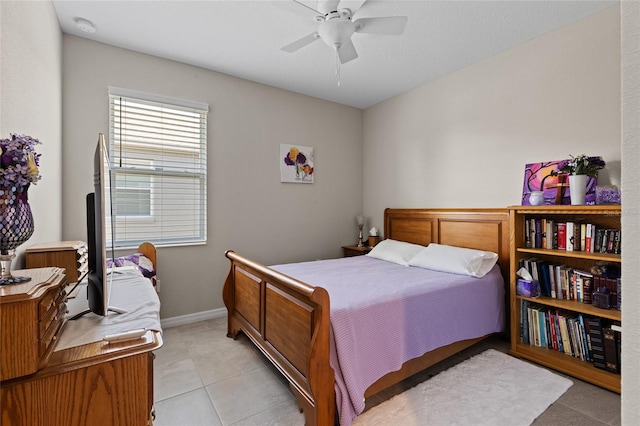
(383, 314)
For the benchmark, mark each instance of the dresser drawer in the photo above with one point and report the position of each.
(47, 302)
(32, 314)
(53, 313)
(49, 337)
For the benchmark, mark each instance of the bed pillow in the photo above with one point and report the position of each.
(138, 260)
(455, 260)
(395, 251)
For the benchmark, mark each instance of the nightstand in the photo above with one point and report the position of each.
(355, 250)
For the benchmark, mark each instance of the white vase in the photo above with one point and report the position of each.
(578, 189)
(536, 198)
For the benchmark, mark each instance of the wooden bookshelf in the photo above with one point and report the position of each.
(601, 216)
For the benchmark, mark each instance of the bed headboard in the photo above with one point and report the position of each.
(481, 229)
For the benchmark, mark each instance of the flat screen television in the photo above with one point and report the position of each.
(99, 213)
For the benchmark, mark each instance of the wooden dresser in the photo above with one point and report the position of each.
(94, 383)
(31, 319)
(70, 255)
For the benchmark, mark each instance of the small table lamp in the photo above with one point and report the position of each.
(360, 221)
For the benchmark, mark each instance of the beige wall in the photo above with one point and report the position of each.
(250, 210)
(464, 139)
(631, 210)
(30, 103)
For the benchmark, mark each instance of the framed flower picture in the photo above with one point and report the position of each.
(296, 164)
(555, 188)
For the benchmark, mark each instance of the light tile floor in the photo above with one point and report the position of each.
(204, 378)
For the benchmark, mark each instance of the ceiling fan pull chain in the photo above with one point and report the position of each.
(337, 66)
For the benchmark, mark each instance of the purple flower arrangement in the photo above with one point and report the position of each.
(19, 161)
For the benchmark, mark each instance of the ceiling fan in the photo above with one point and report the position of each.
(336, 26)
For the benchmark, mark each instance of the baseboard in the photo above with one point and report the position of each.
(191, 318)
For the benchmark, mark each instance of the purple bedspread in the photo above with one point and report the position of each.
(383, 314)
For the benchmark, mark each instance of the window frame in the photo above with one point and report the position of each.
(160, 169)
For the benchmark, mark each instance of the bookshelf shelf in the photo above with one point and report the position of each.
(565, 363)
(572, 305)
(601, 216)
(606, 257)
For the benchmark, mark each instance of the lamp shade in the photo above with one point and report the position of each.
(360, 220)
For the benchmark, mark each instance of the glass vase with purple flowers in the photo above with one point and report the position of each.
(18, 170)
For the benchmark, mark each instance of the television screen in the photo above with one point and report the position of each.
(98, 215)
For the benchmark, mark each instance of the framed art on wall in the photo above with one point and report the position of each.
(296, 164)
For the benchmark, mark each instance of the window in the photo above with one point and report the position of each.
(158, 156)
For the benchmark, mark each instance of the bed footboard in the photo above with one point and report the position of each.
(288, 321)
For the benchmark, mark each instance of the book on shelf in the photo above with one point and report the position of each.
(597, 346)
(570, 236)
(544, 233)
(527, 234)
(562, 282)
(609, 337)
(586, 338)
(562, 236)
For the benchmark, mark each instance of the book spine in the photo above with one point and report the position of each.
(605, 240)
(566, 344)
(597, 345)
(612, 237)
(610, 349)
(562, 236)
(558, 334)
(587, 289)
(569, 244)
(552, 281)
(619, 294)
(617, 244)
(585, 340)
(587, 238)
(599, 236)
(524, 322)
(558, 272)
(532, 230)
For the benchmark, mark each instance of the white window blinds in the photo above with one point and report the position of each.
(158, 152)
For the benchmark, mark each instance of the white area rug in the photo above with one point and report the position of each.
(492, 388)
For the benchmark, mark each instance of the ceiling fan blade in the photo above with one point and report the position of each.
(347, 52)
(297, 8)
(393, 25)
(299, 44)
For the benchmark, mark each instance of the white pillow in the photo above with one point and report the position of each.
(395, 251)
(455, 260)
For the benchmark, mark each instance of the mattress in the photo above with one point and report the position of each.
(383, 314)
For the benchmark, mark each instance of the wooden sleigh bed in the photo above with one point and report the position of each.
(289, 320)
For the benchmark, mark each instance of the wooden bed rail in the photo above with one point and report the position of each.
(288, 321)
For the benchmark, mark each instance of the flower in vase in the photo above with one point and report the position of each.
(19, 161)
(581, 165)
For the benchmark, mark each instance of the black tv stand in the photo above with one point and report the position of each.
(110, 309)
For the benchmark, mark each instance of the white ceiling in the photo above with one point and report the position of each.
(243, 39)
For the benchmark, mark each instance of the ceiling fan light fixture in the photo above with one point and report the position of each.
(85, 25)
